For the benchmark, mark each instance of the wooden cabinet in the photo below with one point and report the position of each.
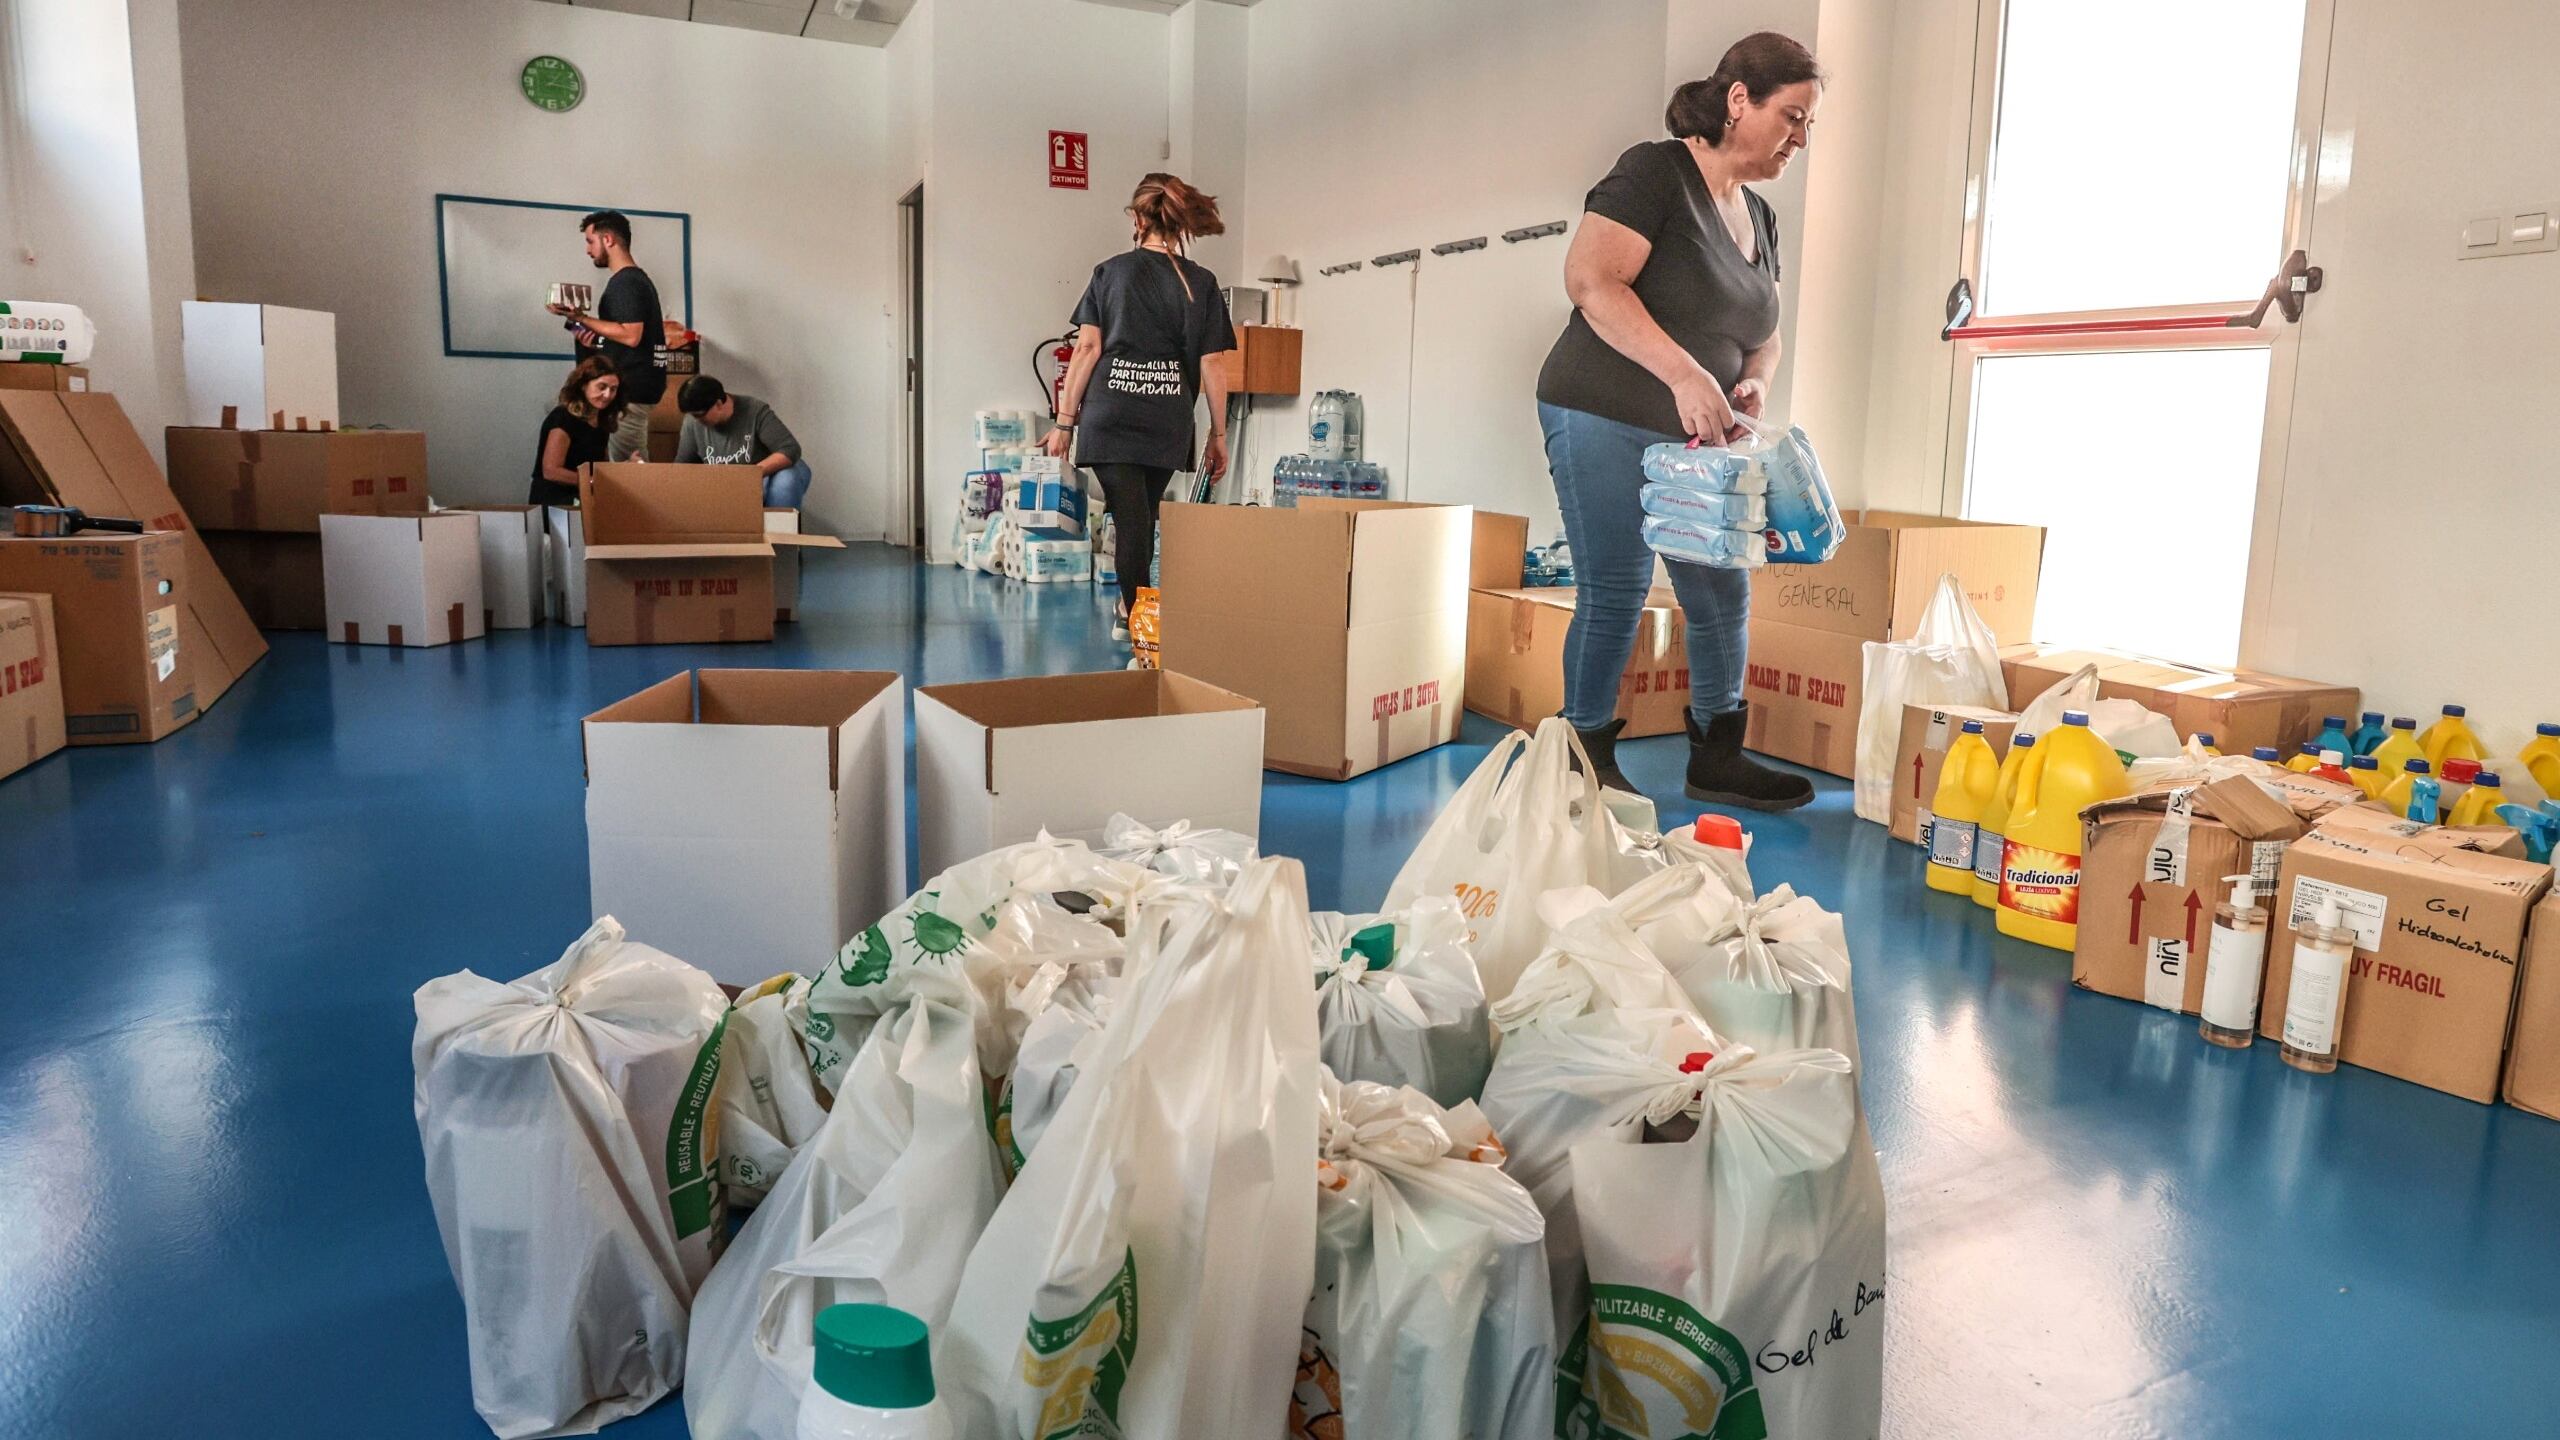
(1265, 360)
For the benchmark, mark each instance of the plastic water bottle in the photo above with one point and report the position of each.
(1324, 426)
(873, 1379)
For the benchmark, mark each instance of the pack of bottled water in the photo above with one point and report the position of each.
(1293, 476)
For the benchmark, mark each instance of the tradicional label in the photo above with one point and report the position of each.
(2039, 883)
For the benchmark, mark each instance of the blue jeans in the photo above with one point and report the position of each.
(1599, 476)
(784, 488)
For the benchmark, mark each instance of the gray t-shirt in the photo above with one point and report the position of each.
(753, 432)
(1695, 284)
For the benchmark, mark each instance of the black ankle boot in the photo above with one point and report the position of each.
(1602, 746)
(1721, 774)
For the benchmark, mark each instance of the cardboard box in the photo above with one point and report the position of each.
(285, 480)
(512, 562)
(2440, 921)
(277, 576)
(80, 450)
(1888, 566)
(751, 821)
(2153, 868)
(2241, 709)
(403, 579)
(119, 603)
(1346, 619)
(1000, 761)
(25, 375)
(2533, 1058)
(1804, 686)
(1515, 660)
(786, 563)
(678, 554)
(30, 682)
(1927, 732)
(262, 366)
(566, 567)
(1498, 552)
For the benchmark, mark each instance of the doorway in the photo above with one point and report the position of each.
(2101, 387)
(911, 275)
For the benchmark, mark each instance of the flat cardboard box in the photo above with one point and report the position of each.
(1346, 619)
(1515, 660)
(2153, 868)
(2440, 920)
(2241, 709)
(262, 366)
(2533, 1058)
(751, 821)
(679, 554)
(1000, 761)
(26, 375)
(277, 576)
(285, 480)
(80, 450)
(1927, 732)
(403, 579)
(30, 682)
(566, 567)
(512, 542)
(1888, 566)
(118, 605)
(781, 520)
(1804, 686)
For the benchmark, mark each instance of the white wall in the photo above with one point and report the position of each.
(1210, 42)
(94, 209)
(319, 133)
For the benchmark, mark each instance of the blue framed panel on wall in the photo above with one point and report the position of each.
(496, 261)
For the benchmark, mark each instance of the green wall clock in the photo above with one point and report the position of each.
(553, 83)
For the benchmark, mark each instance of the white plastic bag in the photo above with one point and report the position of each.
(1594, 963)
(565, 1119)
(768, 1104)
(881, 1208)
(1398, 1000)
(2125, 724)
(1148, 1273)
(1951, 659)
(1774, 976)
(1058, 1043)
(1731, 864)
(1203, 857)
(1525, 823)
(1429, 1319)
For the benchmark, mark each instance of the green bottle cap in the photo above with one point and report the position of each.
(874, 1356)
(1376, 945)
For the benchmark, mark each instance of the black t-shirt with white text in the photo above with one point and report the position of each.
(630, 298)
(1137, 408)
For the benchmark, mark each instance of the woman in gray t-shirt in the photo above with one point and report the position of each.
(1674, 279)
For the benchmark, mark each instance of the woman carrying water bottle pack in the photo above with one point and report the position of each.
(1674, 281)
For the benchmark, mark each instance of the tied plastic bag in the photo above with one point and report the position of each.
(1951, 659)
(767, 1102)
(1429, 1319)
(1594, 964)
(882, 1208)
(1529, 820)
(2134, 731)
(1148, 1273)
(1733, 1230)
(565, 1119)
(1774, 975)
(1202, 857)
(1398, 1000)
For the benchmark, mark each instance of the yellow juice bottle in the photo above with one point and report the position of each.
(1989, 835)
(2399, 748)
(1965, 783)
(2541, 757)
(2040, 860)
(2479, 804)
(2450, 738)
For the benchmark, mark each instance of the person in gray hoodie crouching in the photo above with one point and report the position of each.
(721, 428)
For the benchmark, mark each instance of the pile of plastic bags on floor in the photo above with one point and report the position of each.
(1566, 1140)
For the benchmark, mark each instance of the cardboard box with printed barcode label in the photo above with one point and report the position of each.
(1928, 731)
(2439, 918)
(127, 676)
(2154, 865)
(30, 682)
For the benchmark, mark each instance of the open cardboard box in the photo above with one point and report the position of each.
(265, 366)
(999, 761)
(1346, 619)
(1515, 660)
(750, 821)
(1887, 569)
(679, 554)
(78, 449)
(2241, 709)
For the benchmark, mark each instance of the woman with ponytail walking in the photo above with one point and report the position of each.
(1150, 323)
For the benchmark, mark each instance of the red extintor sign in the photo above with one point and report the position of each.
(1067, 170)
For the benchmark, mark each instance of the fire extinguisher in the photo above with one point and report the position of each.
(1049, 366)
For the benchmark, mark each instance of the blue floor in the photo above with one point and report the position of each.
(2102, 1227)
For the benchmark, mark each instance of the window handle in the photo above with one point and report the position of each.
(2298, 278)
